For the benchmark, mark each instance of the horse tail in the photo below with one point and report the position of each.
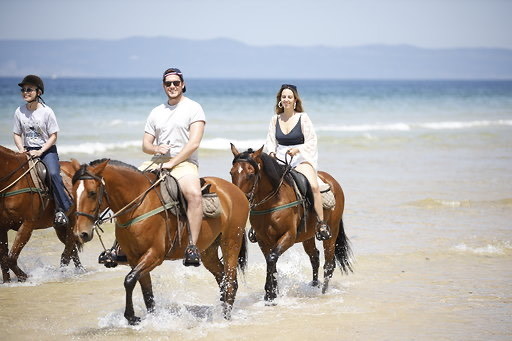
(242, 255)
(343, 251)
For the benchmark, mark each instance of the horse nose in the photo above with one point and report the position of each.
(85, 236)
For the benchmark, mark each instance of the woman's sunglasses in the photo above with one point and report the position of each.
(289, 86)
(27, 90)
(175, 83)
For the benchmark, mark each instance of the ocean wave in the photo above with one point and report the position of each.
(206, 144)
(96, 147)
(224, 144)
(120, 122)
(366, 127)
(438, 203)
(401, 126)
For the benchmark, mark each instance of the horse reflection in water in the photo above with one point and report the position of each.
(150, 240)
(276, 220)
(22, 209)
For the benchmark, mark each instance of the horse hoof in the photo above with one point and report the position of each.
(270, 303)
(315, 284)
(133, 321)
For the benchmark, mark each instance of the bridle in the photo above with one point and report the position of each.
(246, 157)
(97, 220)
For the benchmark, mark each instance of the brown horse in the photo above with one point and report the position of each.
(149, 238)
(275, 217)
(22, 210)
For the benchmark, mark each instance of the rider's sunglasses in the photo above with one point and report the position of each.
(289, 86)
(175, 83)
(27, 90)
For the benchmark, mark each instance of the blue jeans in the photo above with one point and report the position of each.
(51, 160)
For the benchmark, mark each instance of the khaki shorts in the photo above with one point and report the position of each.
(179, 171)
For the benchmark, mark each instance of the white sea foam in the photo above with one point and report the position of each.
(367, 127)
(96, 147)
(483, 250)
(401, 126)
(224, 144)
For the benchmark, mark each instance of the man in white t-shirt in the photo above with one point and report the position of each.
(175, 128)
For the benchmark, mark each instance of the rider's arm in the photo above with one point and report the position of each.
(195, 137)
(18, 141)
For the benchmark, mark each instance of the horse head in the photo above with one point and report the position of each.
(246, 168)
(91, 198)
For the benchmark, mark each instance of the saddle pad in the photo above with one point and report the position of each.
(210, 203)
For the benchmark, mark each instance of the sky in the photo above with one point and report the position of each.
(421, 23)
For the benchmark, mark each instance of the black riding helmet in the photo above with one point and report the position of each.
(34, 80)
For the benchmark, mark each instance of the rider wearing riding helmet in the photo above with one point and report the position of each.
(35, 133)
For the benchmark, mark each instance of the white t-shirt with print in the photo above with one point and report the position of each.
(170, 124)
(35, 127)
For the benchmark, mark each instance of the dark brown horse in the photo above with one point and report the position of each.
(275, 217)
(148, 239)
(22, 210)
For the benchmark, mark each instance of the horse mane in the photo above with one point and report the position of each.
(274, 170)
(83, 168)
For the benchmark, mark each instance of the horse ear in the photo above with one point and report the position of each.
(75, 164)
(234, 150)
(100, 167)
(258, 152)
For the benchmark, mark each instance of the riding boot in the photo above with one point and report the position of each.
(323, 231)
(61, 220)
(112, 257)
(192, 256)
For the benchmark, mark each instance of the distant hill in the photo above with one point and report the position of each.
(224, 58)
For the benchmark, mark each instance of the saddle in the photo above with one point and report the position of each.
(170, 191)
(40, 179)
(304, 188)
(303, 192)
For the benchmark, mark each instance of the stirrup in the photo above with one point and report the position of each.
(192, 256)
(111, 259)
(323, 232)
(252, 235)
(61, 220)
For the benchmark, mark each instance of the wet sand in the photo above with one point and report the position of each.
(418, 296)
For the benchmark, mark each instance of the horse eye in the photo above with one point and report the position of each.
(91, 194)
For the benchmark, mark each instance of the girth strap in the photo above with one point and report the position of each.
(277, 208)
(148, 214)
(23, 190)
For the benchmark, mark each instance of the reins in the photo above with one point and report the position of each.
(250, 195)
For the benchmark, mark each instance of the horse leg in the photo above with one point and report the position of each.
(21, 239)
(129, 284)
(66, 254)
(140, 273)
(271, 289)
(211, 261)
(231, 247)
(147, 292)
(330, 262)
(314, 258)
(4, 250)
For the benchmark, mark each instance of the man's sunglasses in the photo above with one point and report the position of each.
(175, 83)
(27, 89)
